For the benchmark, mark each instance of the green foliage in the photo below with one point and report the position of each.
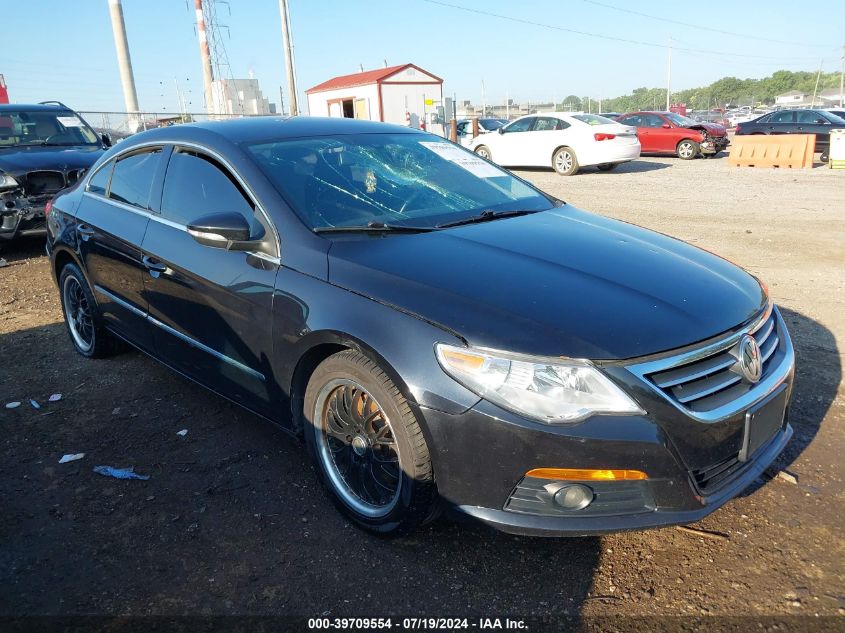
(725, 91)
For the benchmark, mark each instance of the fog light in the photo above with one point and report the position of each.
(574, 497)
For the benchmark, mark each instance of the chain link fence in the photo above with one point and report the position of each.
(122, 124)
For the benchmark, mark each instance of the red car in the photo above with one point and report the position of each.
(670, 133)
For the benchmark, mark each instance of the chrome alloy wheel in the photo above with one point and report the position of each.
(357, 448)
(563, 161)
(686, 150)
(78, 314)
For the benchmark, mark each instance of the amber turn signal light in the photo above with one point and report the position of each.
(586, 474)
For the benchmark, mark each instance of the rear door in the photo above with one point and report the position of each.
(211, 308)
(779, 123)
(110, 225)
(546, 135)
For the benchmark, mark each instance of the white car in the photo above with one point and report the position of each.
(565, 141)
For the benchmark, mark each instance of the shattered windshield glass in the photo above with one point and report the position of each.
(398, 179)
(39, 127)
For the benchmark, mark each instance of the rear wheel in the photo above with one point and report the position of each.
(825, 156)
(82, 318)
(608, 166)
(565, 162)
(687, 149)
(484, 152)
(368, 446)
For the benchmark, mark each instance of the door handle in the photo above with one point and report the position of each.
(85, 232)
(154, 266)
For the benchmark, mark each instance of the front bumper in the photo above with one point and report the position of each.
(21, 217)
(714, 145)
(482, 455)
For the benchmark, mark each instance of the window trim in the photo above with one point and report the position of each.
(90, 176)
(155, 215)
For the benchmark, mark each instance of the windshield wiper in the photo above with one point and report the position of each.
(374, 227)
(485, 216)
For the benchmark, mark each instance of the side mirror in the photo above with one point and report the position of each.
(106, 139)
(501, 130)
(666, 126)
(222, 230)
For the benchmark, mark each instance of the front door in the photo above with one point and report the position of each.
(211, 308)
(111, 225)
(512, 146)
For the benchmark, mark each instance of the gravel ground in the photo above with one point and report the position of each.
(232, 520)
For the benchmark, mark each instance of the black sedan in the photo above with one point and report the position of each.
(818, 122)
(440, 333)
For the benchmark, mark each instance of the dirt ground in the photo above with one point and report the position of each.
(232, 520)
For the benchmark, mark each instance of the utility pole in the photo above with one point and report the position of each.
(288, 45)
(181, 100)
(124, 62)
(669, 77)
(281, 102)
(842, 81)
(205, 57)
(483, 100)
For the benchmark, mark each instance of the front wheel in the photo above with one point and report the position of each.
(484, 152)
(687, 149)
(824, 157)
(565, 162)
(367, 445)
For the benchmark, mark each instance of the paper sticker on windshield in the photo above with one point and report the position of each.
(69, 121)
(460, 157)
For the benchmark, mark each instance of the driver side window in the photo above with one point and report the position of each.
(196, 185)
(652, 120)
(520, 125)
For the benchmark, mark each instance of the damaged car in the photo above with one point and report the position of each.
(671, 133)
(43, 149)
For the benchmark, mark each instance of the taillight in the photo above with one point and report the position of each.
(600, 136)
(48, 207)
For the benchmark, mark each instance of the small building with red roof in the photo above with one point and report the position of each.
(404, 95)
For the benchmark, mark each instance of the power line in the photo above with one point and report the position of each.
(602, 36)
(699, 26)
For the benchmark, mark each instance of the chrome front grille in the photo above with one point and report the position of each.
(42, 182)
(707, 383)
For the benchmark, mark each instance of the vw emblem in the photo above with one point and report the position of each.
(750, 364)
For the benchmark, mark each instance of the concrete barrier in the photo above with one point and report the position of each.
(776, 150)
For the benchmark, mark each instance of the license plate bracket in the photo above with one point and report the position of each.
(762, 421)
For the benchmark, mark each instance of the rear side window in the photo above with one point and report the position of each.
(548, 124)
(196, 185)
(781, 117)
(133, 177)
(99, 182)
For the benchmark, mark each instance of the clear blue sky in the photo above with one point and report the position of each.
(63, 49)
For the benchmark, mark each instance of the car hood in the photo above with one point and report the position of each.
(557, 283)
(714, 129)
(19, 160)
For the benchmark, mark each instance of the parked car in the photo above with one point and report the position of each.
(424, 320)
(485, 126)
(43, 148)
(816, 122)
(671, 133)
(836, 112)
(564, 141)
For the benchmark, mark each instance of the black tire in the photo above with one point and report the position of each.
(83, 321)
(565, 162)
(342, 389)
(484, 152)
(687, 149)
(825, 156)
(608, 166)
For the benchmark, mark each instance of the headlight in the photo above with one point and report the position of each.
(547, 390)
(7, 183)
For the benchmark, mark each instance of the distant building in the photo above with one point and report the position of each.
(792, 98)
(238, 96)
(404, 95)
(832, 97)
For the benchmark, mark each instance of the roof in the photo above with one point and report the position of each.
(364, 78)
(830, 92)
(34, 107)
(259, 129)
(791, 93)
